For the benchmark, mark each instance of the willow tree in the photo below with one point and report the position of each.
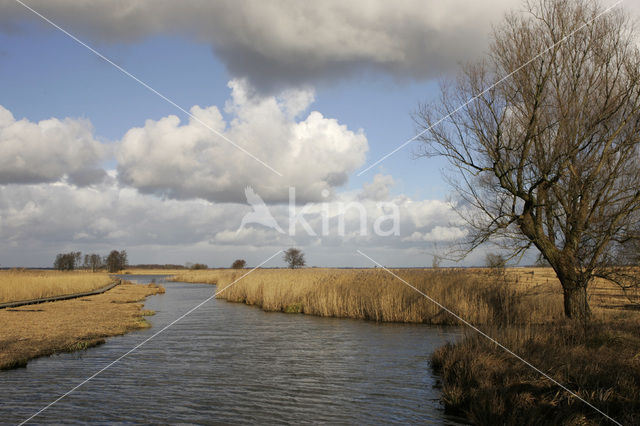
(545, 149)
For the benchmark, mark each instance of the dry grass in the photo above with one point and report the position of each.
(16, 285)
(38, 330)
(600, 362)
(475, 295)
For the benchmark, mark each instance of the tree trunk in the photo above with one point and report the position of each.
(576, 305)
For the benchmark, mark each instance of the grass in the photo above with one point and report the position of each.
(599, 362)
(17, 285)
(39, 330)
(522, 308)
(376, 295)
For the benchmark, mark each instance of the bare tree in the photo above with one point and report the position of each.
(294, 258)
(116, 261)
(95, 261)
(495, 261)
(239, 264)
(548, 156)
(68, 261)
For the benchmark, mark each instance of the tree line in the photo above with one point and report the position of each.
(115, 261)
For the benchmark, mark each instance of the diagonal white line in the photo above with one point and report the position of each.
(491, 339)
(112, 363)
(145, 85)
(488, 88)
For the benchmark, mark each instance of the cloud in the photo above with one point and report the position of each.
(288, 42)
(48, 151)
(39, 220)
(188, 160)
(438, 234)
(379, 189)
(63, 215)
(349, 217)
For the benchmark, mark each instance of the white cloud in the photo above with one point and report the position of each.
(48, 151)
(438, 234)
(189, 160)
(37, 221)
(379, 189)
(421, 222)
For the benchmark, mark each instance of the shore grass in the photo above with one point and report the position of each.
(19, 284)
(32, 331)
(600, 362)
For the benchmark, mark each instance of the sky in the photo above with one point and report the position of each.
(250, 99)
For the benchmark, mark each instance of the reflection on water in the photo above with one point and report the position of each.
(234, 363)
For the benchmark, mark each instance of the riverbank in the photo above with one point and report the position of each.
(521, 307)
(39, 330)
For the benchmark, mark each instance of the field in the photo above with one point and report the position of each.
(522, 308)
(38, 330)
(16, 285)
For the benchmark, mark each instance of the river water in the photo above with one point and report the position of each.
(232, 363)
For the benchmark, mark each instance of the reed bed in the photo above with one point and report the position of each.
(17, 285)
(599, 361)
(477, 296)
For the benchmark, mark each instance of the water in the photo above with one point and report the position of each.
(232, 363)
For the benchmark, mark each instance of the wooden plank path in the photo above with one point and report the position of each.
(56, 298)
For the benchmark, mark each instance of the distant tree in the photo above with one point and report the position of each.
(294, 258)
(495, 261)
(124, 259)
(239, 264)
(95, 262)
(67, 261)
(116, 261)
(199, 266)
(543, 137)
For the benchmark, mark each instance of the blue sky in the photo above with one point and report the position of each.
(50, 75)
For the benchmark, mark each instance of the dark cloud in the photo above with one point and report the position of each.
(290, 42)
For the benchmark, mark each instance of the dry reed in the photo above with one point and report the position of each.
(476, 296)
(18, 284)
(598, 361)
(38, 330)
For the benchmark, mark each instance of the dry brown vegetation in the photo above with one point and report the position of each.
(520, 296)
(32, 331)
(18, 284)
(600, 362)
(521, 307)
